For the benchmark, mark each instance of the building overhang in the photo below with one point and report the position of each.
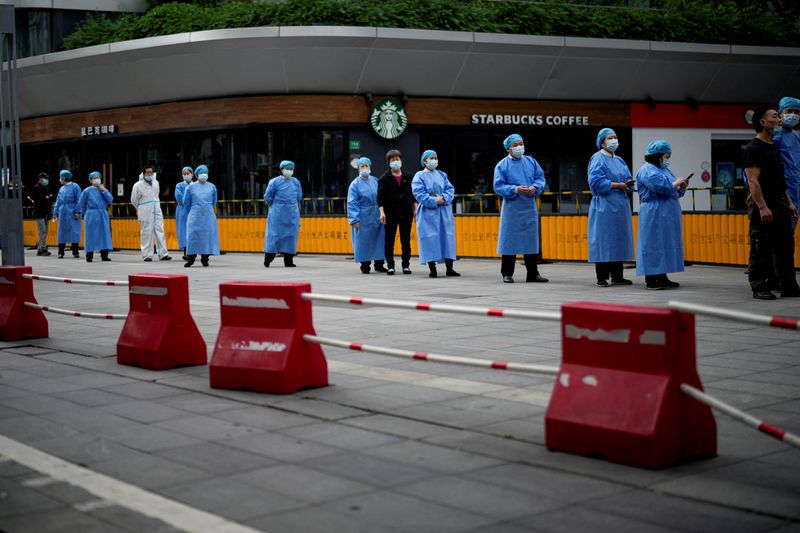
(386, 61)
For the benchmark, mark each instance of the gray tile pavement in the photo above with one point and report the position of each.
(392, 445)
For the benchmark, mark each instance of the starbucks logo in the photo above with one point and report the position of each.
(388, 119)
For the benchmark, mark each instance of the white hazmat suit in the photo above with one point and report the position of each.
(145, 198)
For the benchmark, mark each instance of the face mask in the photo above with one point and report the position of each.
(364, 172)
(286, 173)
(61, 181)
(518, 151)
(45, 182)
(790, 120)
(97, 182)
(187, 178)
(612, 145)
(432, 164)
(148, 178)
(202, 177)
(776, 130)
(665, 163)
(396, 165)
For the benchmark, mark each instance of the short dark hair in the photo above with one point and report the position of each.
(759, 113)
(653, 159)
(43, 175)
(151, 167)
(393, 153)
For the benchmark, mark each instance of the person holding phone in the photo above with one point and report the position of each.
(610, 220)
(660, 246)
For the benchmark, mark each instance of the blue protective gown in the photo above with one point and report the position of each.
(519, 218)
(69, 229)
(610, 224)
(362, 207)
(788, 142)
(660, 245)
(283, 220)
(202, 236)
(436, 228)
(181, 213)
(94, 206)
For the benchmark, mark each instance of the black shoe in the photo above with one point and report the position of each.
(655, 286)
(204, 263)
(166, 258)
(76, 256)
(40, 252)
(390, 272)
(105, 259)
(536, 278)
(61, 256)
(669, 284)
(621, 281)
(380, 268)
(290, 265)
(452, 273)
(791, 293)
(508, 279)
(406, 270)
(602, 283)
(88, 259)
(148, 259)
(433, 274)
(46, 253)
(365, 271)
(764, 295)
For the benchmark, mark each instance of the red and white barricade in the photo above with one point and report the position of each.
(18, 321)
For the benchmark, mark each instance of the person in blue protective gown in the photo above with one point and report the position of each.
(660, 244)
(93, 203)
(180, 211)
(436, 228)
(68, 214)
(363, 215)
(610, 225)
(518, 180)
(202, 235)
(283, 195)
(788, 143)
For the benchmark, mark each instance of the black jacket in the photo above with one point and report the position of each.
(396, 200)
(42, 198)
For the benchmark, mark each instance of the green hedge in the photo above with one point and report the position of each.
(722, 21)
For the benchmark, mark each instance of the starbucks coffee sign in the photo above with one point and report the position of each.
(388, 118)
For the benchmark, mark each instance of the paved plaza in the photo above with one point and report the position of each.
(392, 445)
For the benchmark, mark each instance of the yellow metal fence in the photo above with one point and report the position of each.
(707, 238)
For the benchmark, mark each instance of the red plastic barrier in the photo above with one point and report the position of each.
(16, 320)
(160, 332)
(260, 344)
(618, 393)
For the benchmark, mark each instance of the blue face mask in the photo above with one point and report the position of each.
(790, 120)
(187, 178)
(518, 151)
(396, 165)
(45, 182)
(431, 164)
(364, 172)
(665, 163)
(612, 145)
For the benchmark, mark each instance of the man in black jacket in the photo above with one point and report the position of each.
(42, 198)
(397, 206)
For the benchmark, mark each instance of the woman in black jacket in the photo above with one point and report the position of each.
(397, 206)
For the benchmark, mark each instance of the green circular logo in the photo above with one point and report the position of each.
(388, 118)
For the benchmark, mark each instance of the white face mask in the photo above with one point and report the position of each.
(396, 165)
(287, 173)
(149, 178)
(187, 178)
(790, 120)
(431, 164)
(202, 177)
(612, 145)
(97, 182)
(363, 172)
(518, 151)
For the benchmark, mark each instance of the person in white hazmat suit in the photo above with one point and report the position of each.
(145, 199)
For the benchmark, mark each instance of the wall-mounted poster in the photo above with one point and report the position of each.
(725, 174)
